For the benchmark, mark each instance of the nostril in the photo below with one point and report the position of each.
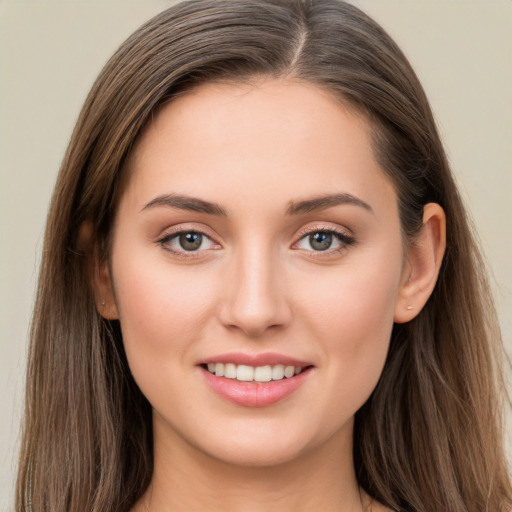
(254, 300)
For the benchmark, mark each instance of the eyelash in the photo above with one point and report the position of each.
(169, 236)
(343, 238)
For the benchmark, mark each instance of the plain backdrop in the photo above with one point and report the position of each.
(51, 51)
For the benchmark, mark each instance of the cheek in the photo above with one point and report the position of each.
(356, 321)
(162, 308)
(355, 298)
(164, 312)
(351, 312)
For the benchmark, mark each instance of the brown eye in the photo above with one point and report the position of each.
(190, 241)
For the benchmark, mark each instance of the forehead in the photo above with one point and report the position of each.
(277, 137)
(289, 109)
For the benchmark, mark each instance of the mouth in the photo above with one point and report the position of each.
(268, 380)
(247, 373)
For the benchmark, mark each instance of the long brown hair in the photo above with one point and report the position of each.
(429, 437)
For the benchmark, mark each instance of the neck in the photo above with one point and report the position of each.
(185, 478)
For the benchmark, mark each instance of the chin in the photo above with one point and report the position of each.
(255, 456)
(269, 445)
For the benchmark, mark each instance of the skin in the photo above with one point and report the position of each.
(258, 285)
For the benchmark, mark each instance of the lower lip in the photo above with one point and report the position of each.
(254, 394)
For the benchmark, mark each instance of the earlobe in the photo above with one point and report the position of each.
(99, 273)
(105, 298)
(424, 259)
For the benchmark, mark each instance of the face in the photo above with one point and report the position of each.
(256, 263)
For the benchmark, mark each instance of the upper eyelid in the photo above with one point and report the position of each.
(329, 228)
(177, 230)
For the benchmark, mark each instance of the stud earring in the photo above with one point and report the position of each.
(409, 307)
(103, 303)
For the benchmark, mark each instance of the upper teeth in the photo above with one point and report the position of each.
(246, 373)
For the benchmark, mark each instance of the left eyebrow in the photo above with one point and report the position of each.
(187, 203)
(324, 202)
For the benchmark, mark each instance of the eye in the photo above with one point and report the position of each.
(183, 242)
(324, 240)
(190, 241)
(320, 241)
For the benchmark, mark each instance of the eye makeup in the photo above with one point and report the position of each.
(323, 241)
(318, 241)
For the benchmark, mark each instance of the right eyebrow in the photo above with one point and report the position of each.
(188, 203)
(324, 202)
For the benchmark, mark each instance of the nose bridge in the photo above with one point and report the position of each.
(255, 299)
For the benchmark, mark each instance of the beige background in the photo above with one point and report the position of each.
(51, 51)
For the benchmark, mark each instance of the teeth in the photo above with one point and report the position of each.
(230, 371)
(289, 371)
(278, 372)
(263, 374)
(246, 373)
(219, 369)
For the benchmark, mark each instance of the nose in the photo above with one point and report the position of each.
(254, 298)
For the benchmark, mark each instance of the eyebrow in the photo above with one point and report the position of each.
(191, 204)
(324, 202)
(195, 204)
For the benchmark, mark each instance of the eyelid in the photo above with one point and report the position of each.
(170, 233)
(344, 236)
(307, 230)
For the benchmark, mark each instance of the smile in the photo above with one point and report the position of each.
(255, 380)
(246, 373)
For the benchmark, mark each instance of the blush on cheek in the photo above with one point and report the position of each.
(355, 316)
(160, 307)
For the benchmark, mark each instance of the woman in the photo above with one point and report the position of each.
(259, 289)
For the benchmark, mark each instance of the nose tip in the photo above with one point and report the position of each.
(254, 324)
(255, 302)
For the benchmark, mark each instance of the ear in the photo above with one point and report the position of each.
(99, 273)
(423, 262)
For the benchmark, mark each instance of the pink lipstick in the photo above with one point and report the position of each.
(254, 380)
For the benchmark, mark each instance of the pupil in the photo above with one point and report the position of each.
(191, 241)
(320, 241)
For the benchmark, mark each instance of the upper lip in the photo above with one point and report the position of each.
(263, 359)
